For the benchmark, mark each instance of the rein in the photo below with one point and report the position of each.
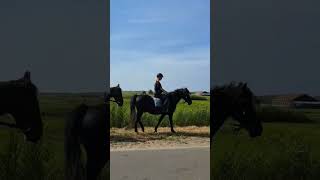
(108, 99)
(176, 94)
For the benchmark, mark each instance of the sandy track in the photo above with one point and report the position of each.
(186, 137)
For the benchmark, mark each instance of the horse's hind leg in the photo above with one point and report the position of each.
(156, 128)
(136, 126)
(171, 123)
(141, 125)
(139, 120)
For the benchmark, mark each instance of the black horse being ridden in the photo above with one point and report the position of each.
(19, 98)
(237, 101)
(145, 103)
(89, 126)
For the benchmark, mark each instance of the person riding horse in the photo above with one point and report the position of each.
(160, 93)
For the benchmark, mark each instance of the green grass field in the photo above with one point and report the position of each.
(22, 160)
(286, 150)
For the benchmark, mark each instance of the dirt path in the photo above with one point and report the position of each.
(186, 137)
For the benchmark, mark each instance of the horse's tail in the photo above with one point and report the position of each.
(73, 168)
(133, 108)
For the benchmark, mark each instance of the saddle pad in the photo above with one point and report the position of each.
(157, 102)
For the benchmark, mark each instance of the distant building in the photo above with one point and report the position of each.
(203, 93)
(295, 101)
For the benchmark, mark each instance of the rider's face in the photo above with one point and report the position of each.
(159, 78)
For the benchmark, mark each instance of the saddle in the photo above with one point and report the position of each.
(157, 102)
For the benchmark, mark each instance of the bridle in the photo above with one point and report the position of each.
(108, 99)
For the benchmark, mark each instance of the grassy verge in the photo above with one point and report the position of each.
(285, 151)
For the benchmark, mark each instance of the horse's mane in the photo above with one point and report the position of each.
(230, 88)
(177, 91)
(20, 83)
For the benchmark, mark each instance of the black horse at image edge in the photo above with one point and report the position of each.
(89, 126)
(19, 98)
(236, 101)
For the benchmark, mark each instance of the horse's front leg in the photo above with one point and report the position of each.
(171, 123)
(96, 160)
(161, 117)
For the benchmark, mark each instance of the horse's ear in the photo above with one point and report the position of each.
(244, 86)
(118, 85)
(27, 76)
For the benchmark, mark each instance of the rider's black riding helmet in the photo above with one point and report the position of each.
(159, 75)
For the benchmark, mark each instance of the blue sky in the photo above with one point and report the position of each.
(172, 37)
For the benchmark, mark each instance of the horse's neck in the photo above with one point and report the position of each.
(219, 111)
(107, 96)
(216, 124)
(175, 99)
(107, 93)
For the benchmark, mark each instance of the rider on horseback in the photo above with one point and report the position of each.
(160, 93)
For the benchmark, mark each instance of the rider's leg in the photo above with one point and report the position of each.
(165, 103)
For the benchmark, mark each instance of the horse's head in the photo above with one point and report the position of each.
(25, 108)
(243, 110)
(116, 93)
(184, 93)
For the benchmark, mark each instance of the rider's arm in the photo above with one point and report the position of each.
(163, 90)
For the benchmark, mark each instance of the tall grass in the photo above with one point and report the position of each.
(29, 161)
(197, 114)
(284, 158)
(25, 160)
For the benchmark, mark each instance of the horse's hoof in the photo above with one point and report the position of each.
(173, 131)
